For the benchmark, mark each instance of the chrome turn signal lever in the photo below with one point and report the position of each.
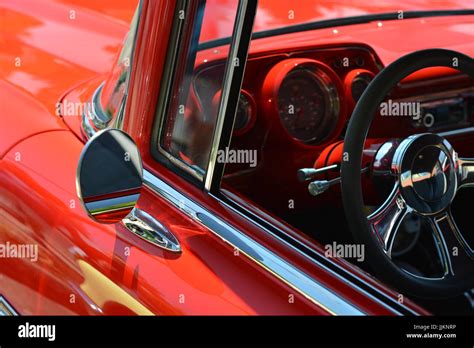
(317, 187)
(307, 174)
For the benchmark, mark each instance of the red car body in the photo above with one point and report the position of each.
(89, 268)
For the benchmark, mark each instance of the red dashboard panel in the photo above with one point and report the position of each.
(346, 70)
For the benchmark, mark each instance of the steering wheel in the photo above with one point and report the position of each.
(427, 172)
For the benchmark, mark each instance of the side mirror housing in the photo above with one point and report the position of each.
(109, 176)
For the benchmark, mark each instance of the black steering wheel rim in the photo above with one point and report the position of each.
(352, 196)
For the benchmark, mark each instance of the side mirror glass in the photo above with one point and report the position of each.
(109, 176)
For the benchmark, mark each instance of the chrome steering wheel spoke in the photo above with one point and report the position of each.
(455, 254)
(385, 221)
(428, 174)
(466, 168)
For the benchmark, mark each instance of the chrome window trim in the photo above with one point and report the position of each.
(191, 209)
(6, 309)
(205, 176)
(230, 71)
(94, 118)
(287, 273)
(91, 119)
(298, 245)
(311, 289)
(118, 122)
(195, 172)
(97, 115)
(284, 271)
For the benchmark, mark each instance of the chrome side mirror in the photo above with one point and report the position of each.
(109, 176)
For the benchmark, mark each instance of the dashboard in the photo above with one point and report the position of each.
(300, 102)
(294, 108)
(308, 92)
(305, 98)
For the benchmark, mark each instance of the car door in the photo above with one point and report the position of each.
(61, 262)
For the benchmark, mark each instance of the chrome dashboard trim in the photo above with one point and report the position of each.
(274, 264)
(331, 96)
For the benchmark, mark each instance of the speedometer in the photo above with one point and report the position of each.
(305, 95)
(304, 106)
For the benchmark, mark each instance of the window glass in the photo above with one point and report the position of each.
(277, 14)
(113, 92)
(186, 132)
(297, 107)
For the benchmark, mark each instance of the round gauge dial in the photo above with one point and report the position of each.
(246, 112)
(359, 84)
(245, 115)
(307, 103)
(356, 83)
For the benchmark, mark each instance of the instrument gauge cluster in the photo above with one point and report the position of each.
(355, 83)
(246, 113)
(305, 96)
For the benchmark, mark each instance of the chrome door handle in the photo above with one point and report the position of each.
(148, 228)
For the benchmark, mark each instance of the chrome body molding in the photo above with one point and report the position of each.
(320, 261)
(6, 309)
(179, 200)
(93, 117)
(296, 279)
(293, 277)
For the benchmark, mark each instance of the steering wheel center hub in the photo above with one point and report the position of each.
(430, 173)
(426, 167)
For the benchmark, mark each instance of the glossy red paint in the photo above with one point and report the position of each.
(144, 89)
(452, 32)
(88, 268)
(272, 14)
(70, 47)
(107, 269)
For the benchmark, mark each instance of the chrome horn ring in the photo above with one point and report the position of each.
(427, 186)
(427, 172)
